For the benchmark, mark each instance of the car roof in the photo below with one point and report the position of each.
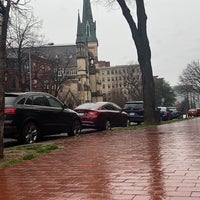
(19, 93)
(23, 93)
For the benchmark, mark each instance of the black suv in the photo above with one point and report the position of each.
(32, 114)
(135, 109)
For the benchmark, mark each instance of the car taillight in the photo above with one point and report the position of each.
(92, 113)
(165, 113)
(10, 111)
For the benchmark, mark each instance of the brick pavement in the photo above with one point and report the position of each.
(161, 163)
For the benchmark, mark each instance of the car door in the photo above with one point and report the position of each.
(113, 114)
(62, 118)
(36, 108)
(119, 115)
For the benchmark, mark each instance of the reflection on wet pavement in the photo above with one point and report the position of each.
(158, 163)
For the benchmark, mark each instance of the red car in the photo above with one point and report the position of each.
(192, 112)
(102, 115)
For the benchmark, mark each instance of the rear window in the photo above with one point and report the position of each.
(10, 100)
(90, 105)
(133, 106)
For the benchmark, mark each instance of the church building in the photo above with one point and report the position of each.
(73, 73)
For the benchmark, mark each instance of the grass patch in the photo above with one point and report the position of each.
(16, 155)
(30, 156)
(144, 126)
(11, 163)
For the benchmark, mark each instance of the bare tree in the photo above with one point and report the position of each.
(133, 84)
(191, 77)
(139, 35)
(23, 33)
(50, 74)
(117, 96)
(5, 7)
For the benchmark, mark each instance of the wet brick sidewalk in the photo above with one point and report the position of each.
(162, 163)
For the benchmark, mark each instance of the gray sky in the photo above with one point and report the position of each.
(173, 31)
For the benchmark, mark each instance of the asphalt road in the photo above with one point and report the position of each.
(8, 142)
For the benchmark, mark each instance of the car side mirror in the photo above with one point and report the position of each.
(65, 106)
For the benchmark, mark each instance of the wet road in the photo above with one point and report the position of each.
(161, 163)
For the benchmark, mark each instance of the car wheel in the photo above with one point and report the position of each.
(127, 123)
(75, 129)
(107, 125)
(30, 133)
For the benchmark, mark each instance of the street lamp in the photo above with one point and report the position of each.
(30, 67)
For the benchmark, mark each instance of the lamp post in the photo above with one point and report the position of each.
(30, 67)
(30, 70)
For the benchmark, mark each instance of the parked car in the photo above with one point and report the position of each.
(102, 115)
(175, 113)
(198, 112)
(192, 112)
(32, 114)
(135, 110)
(165, 113)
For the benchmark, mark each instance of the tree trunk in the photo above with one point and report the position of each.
(150, 116)
(3, 36)
(139, 35)
(2, 80)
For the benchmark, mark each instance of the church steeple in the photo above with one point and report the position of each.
(79, 36)
(86, 31)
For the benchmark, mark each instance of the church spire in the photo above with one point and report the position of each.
(79, 35)
(86, 31)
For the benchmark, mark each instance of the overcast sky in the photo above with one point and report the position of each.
(173, 31)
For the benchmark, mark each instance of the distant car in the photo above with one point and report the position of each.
(198, 112)
(30, 115)
(102, 115)
(135, 110)
(165, 113)
(192, 112)
(175, 113)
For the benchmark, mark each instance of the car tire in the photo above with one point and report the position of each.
(75, 129)
(30, 133)
(107, 125)
(128, 123)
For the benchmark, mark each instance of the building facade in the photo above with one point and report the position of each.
(121, 83)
